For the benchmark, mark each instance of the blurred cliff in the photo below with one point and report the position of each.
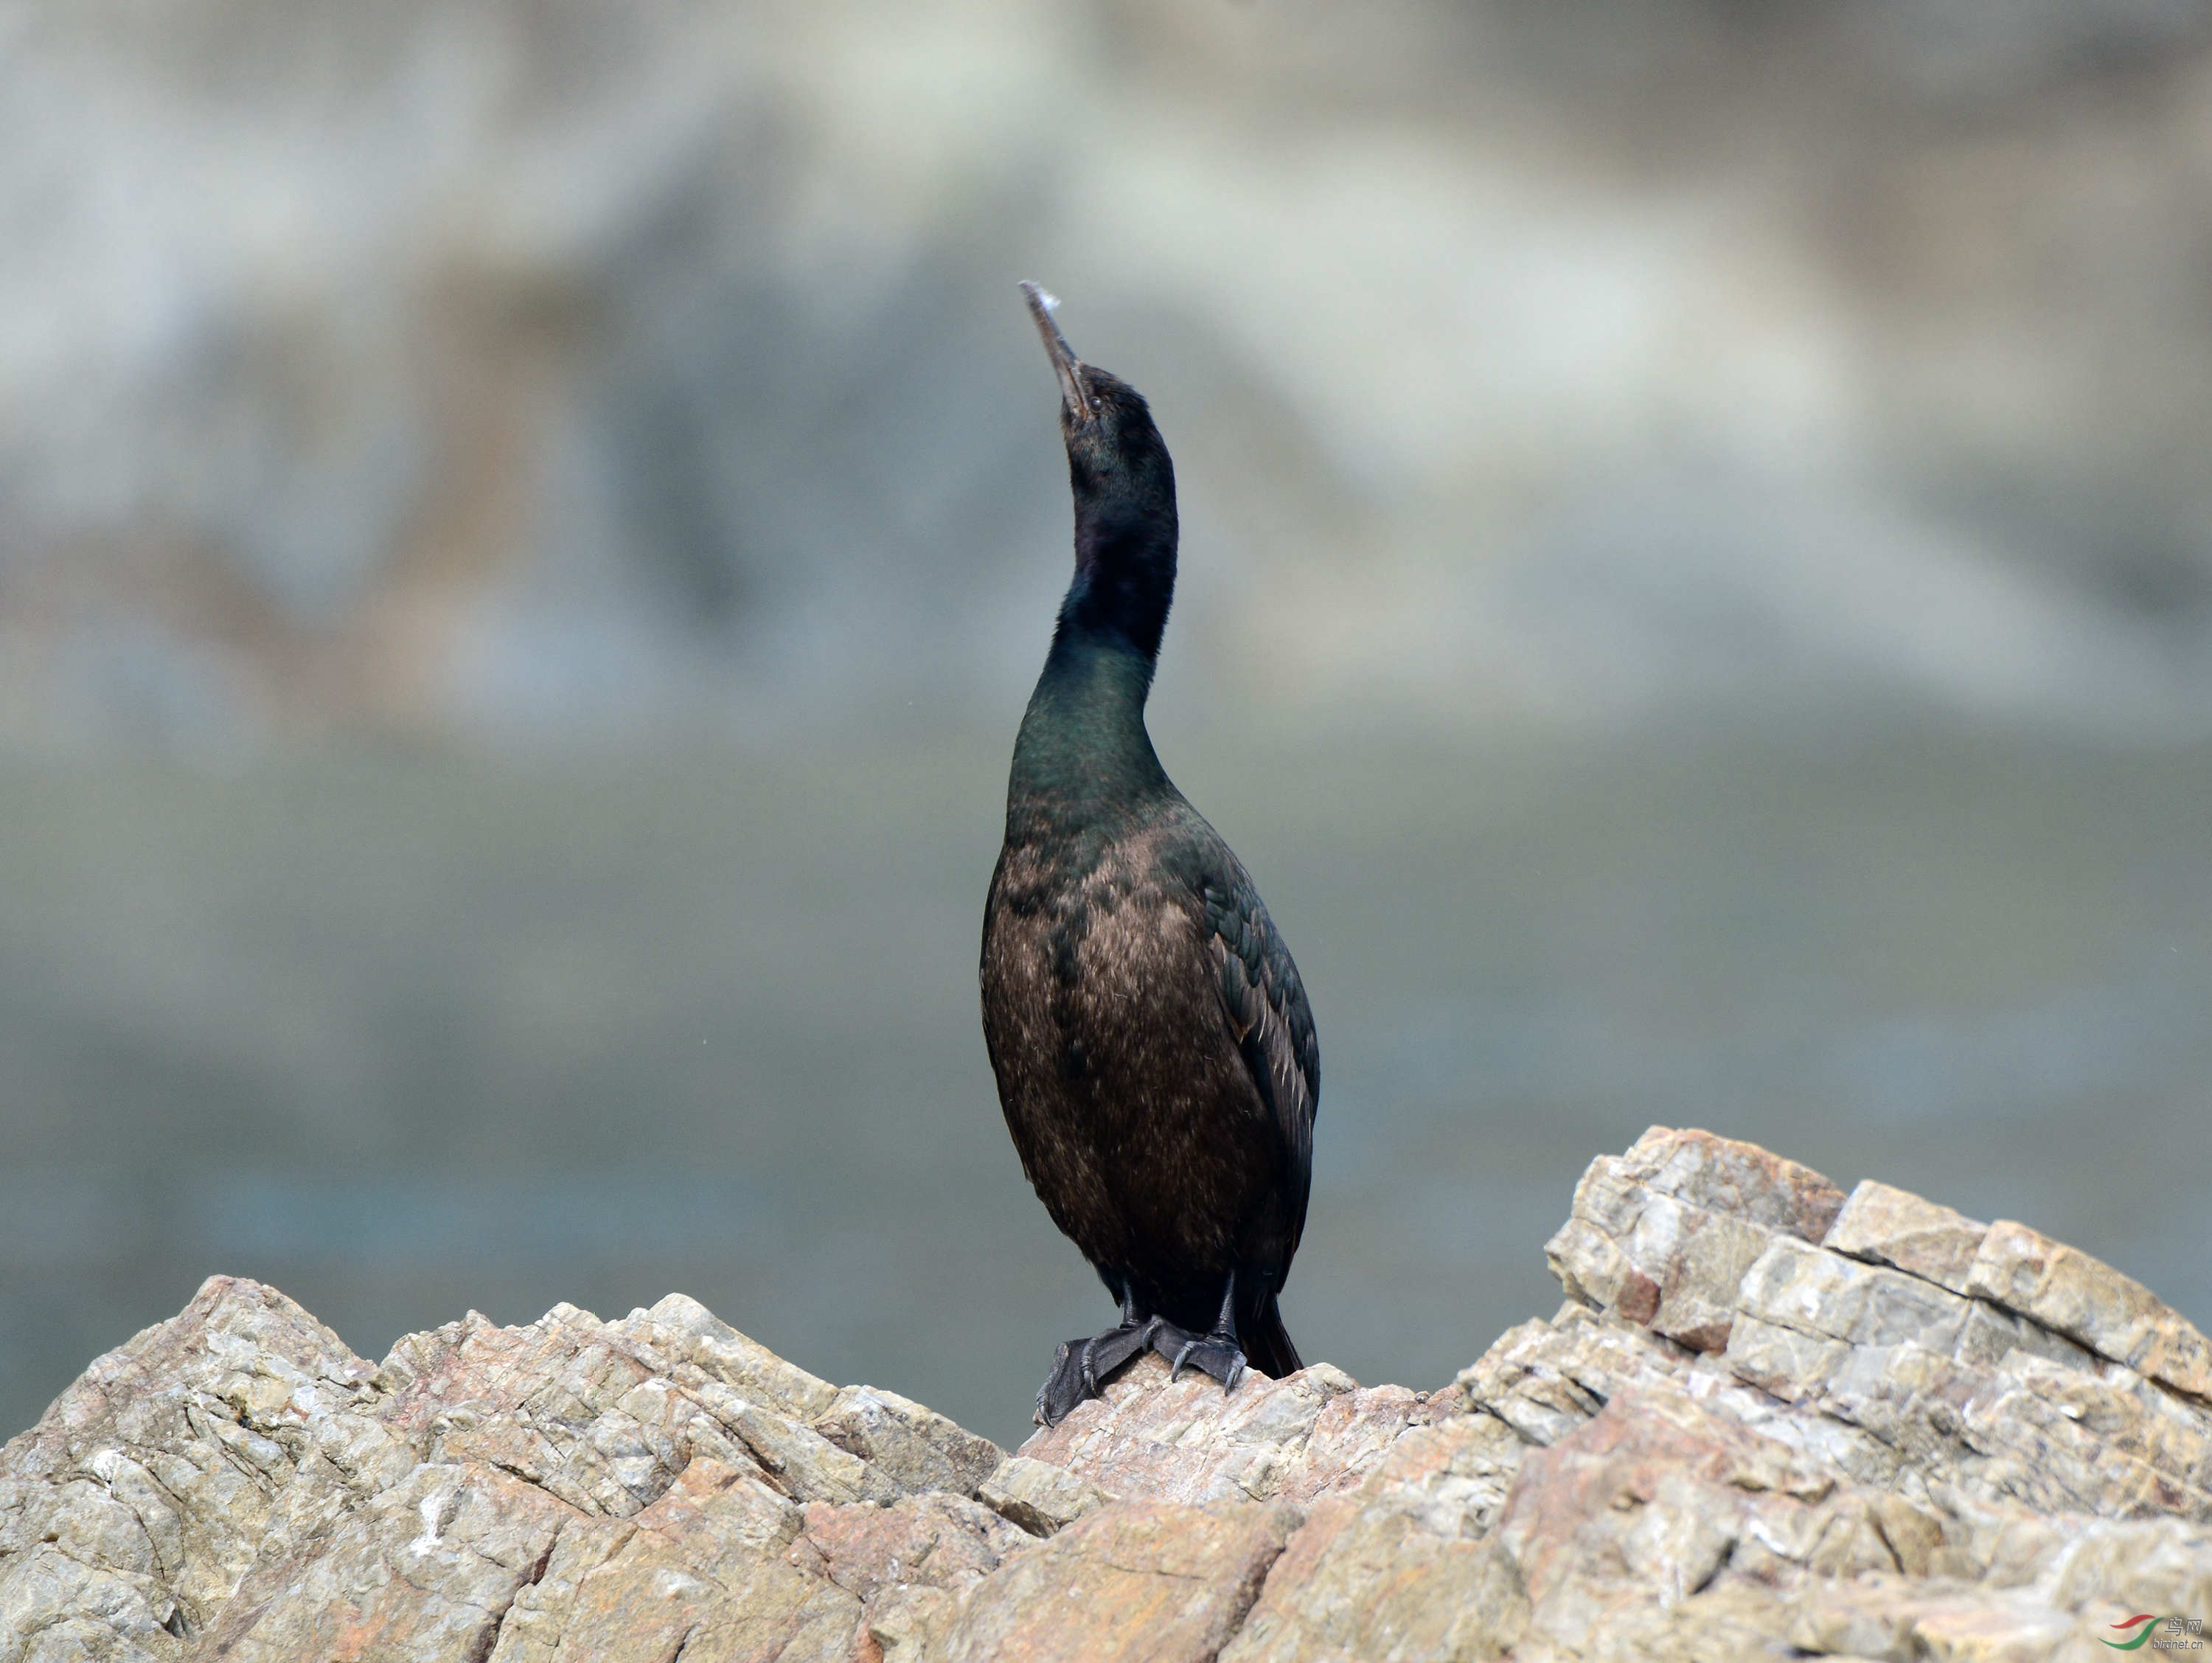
(563, 368)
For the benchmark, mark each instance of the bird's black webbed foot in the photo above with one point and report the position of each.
(1216, 1354)
(1080, 1367)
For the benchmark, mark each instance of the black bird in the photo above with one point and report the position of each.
(1155, 1052)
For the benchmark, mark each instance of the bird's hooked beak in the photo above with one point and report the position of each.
(1064, 363)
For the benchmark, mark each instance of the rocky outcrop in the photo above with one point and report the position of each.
(1771, 1420)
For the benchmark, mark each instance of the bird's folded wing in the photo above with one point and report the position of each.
(1266, 1008)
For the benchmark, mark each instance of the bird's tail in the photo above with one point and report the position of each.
(1266, 1343)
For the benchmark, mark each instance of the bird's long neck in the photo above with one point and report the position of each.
(1083, 739)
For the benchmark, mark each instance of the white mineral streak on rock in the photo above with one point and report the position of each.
(1767, 1418)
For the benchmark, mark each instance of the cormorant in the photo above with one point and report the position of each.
(1154, 1050)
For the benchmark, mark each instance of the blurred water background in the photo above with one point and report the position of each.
(527, 526)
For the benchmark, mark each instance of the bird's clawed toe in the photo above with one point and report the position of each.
(1063, 1388)
(1214, 1354)
(1081, 1368)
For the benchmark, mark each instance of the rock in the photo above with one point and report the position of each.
(1792, 1285)
(906, 1562)
(1895, 1227)
(1398, 1568)
(1299, 1439)
(916, 1447)
(1147, 1582)
(132, 1512)
(935, 1541)
(1768, 1421)
(1039, 1496)
(688, 1331)
(701, 1569)
(1664, 1233)
(2070, 1293)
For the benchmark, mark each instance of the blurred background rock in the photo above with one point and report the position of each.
(526, 529)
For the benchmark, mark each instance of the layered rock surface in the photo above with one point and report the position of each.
(1772, 1420)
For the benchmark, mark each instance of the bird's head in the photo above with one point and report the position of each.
(1114, 453)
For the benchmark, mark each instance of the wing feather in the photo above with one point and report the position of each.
(1265, 1005)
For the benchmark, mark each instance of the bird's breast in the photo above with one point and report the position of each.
(1087, 927)
(1127, 1095)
